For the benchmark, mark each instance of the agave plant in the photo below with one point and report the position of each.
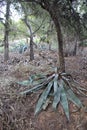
(59, 88)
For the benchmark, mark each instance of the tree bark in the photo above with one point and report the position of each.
(6, 34)
(31, 38)
(61, 60)
(31, 49)
(60, 47)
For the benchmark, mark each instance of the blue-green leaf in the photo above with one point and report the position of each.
(46, 103)
(40, 76)
(36, 82)
(43, 98)
(25, 83)
(63, 100)
(72, 97)
(56, 94)
(34, 89)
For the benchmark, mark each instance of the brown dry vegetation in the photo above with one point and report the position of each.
(17, 112)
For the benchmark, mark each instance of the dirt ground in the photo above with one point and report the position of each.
(17, 112)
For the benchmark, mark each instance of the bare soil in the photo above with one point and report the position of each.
(17, 112)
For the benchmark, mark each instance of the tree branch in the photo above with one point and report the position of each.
(39, 26)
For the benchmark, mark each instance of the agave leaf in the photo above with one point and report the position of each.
(25, 83)
(45, 105)
(34, 89)
(66, 75)
(64, 78)
(63, 99)
(56, 94)
(56, 98)
(33, 77)
(68, 85)
(38, 87)
(43, 98)
(82, 93)
(40, 76)
(49, 79)
(82, 89)
(63, 74)
(37, 77)
(36, 82)
(72, 97)
(55, 83)
(79, 86)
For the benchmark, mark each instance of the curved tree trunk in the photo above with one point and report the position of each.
(54, 13)
(54, 16)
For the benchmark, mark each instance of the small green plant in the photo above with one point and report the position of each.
(59, 88)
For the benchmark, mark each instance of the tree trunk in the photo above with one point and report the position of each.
(75, 50)
(76, 46)
(60, 41)
(6, 34)
(31, 49)
(6, 47)
(31, 37)
(60, 47)
(54, 13)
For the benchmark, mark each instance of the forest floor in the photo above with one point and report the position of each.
(17, 112)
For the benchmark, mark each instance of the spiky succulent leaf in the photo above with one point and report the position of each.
(40, 76)
(39, 86)
(56, 93)
(31, 78)
(25, 83)
(56, 98)
(63, 99)
(72, 97)
(43, 98)
(45, 105)
(36, 82)
(34, 89)
(37, 76)
(80, 89)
